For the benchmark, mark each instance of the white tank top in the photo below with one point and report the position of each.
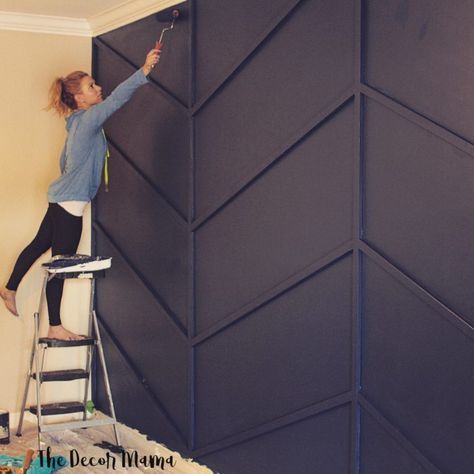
(76, 208)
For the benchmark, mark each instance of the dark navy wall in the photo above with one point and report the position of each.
(143, 223)
(290, 217)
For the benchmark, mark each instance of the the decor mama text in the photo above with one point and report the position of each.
(109, 461)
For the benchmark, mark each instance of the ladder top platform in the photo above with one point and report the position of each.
(77, 266)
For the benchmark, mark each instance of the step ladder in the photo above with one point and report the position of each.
(67, 267)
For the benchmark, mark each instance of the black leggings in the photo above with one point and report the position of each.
(61, 232)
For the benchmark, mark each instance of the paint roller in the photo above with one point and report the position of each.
(166, 16)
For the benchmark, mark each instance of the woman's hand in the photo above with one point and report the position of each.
(152, 59)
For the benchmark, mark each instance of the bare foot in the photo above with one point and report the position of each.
(9, 298)
(61, 333)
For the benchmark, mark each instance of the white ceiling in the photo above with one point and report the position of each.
(76, 17)
(62, 8)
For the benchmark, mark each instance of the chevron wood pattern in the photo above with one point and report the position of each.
(291, 225)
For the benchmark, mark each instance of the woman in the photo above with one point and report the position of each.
(80, 99)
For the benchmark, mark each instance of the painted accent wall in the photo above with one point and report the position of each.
(290, 218)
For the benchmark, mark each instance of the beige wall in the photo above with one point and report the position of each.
(31, 140)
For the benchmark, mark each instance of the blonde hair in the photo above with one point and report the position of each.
(61, 93)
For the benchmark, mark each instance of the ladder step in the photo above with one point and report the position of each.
(63, 375)
(88, 341)
(58, 408)
(73, 425)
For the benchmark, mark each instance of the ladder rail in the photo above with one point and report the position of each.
(106, 376)
(37, 355)
(27, 386)
(37, 381)
(90, 349)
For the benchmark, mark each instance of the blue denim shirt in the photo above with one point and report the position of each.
(83, 155)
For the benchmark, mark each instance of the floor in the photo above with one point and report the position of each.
(78, 444)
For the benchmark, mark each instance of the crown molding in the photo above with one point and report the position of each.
(108, 20)
(44, 24)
